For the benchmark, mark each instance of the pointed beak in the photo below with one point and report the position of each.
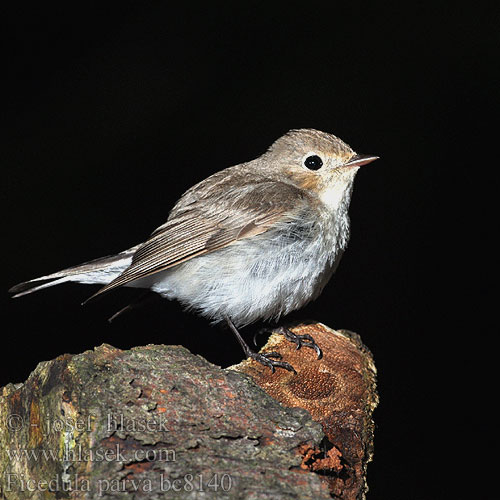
(359, 160)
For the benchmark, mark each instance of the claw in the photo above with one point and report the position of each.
(301, 340)
(257, 333)
(273, 354)
(264, 360)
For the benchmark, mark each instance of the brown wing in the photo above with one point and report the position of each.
(211, 223)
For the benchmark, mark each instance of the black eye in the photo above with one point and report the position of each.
(313, 162)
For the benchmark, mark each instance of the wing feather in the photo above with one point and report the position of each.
(209, 224)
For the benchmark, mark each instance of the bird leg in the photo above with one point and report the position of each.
(263, 358)
(299, 340)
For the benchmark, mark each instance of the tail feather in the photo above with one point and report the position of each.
(34, 285)
(98, 271)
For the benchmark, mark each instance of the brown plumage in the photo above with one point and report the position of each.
(211, 222)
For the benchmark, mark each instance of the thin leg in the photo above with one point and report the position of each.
(261, 358)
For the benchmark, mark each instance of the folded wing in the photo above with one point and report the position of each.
(197, 227)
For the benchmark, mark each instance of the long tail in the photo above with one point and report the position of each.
(98, 271)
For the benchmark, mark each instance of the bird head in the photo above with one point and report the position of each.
(317, 162)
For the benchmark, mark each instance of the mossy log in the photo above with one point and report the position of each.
(159, 422)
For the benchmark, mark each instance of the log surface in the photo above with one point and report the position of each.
(339, 391)
(159, 422)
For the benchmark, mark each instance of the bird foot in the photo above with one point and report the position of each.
(266, 360)
(300, 340)
(262, 358)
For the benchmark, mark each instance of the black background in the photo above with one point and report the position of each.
(112, 112)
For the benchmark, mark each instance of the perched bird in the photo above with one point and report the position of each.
(251, 242)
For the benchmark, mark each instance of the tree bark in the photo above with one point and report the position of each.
(160, 422)
(339, 391)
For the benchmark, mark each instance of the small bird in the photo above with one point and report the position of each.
(254, 241)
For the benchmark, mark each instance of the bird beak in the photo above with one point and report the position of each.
(358, 160)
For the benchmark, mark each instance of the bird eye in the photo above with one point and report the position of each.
(313, 162)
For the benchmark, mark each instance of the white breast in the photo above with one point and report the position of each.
(259, 278)
(268, 275)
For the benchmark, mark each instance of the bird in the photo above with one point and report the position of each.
(252, 242)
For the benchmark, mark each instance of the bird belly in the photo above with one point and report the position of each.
(259, 278)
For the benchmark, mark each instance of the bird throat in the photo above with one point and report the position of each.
(337, 194)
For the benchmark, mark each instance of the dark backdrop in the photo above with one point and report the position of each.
(113, 112)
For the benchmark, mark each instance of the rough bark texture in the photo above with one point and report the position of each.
(160, 422)
(339, 391)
